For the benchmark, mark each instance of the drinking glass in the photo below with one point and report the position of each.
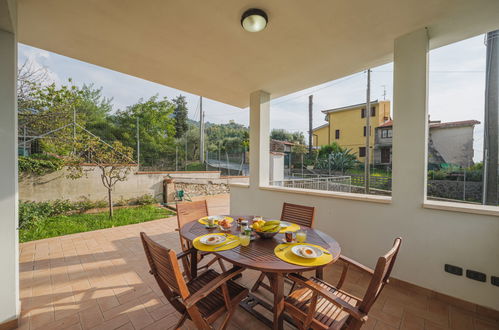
(244, 239)
(210, 221)
(301, 236)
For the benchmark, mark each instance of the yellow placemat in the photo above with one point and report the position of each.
(203, 220)
(210, 248)
(293, 227)
(283, 252)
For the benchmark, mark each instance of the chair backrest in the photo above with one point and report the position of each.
(165, 268)
(299, 214)
(187, 212)
(381, 276)
(190, 211)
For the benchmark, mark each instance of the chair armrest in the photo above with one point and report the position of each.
(185, 253)
(352, 310)
(212, 286)
(356, 264)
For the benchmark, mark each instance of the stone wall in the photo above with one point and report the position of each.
(448, 189)
(194, 189)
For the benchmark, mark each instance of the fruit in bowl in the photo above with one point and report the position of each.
(224, 225)
(267, 229)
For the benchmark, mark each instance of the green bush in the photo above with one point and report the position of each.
(39, 164)
(143, 200)
(30, 212)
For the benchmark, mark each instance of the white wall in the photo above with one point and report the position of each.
(9, 284)
(276, 167)
(455, 144)
(366, 230)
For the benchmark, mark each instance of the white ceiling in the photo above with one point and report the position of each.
(200, 47)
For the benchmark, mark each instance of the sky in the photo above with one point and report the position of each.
(456, 89)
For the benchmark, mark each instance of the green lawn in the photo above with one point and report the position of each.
(76, 223)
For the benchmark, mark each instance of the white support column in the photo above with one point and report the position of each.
(410, 118)
(259, 138)
(9, 279)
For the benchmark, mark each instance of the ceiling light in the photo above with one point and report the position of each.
(254, 20)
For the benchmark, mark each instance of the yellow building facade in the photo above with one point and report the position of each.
(346, 126)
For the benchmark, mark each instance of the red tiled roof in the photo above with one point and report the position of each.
(387, 123)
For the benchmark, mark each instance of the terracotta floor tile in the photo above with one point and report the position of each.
(485, 325)
(460, 319)
(114, 323)
(91, 317)
(412, 322)
(140, 318)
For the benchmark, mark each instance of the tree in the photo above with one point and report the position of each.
(156, 128)
(329, 148)
(180, 115)
(113, 161)
(283, 135)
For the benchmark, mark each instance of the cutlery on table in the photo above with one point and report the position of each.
(227, 243)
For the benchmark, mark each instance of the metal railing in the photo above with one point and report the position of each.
(327, 183)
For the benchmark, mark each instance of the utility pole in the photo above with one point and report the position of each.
(310, 109)
(491, 120)
(367, 170)
(201, 130)
(138, 143)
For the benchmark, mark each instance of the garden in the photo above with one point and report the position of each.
(38, 220)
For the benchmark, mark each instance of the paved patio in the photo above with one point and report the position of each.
(100, 280)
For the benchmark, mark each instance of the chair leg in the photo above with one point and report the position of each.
(222, 266)
(227, 318)
(258, 282)
(293, 286)
(181, 321)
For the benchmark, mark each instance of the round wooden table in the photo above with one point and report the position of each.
(259, 255)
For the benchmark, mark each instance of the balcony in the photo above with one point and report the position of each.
(100, 279)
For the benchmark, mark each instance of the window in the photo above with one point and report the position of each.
(457, 129)
(339, 152)
(386, 133)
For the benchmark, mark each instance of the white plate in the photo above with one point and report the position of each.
(285, 224)
(206, 239)
(297, 250)
(216, 218)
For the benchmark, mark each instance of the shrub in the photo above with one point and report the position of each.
(143, 200)
(39, 164)
(32, 212)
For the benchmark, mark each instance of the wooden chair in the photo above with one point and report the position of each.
(202, 299)
(299, 214)
(187, 212)
(320, 305)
